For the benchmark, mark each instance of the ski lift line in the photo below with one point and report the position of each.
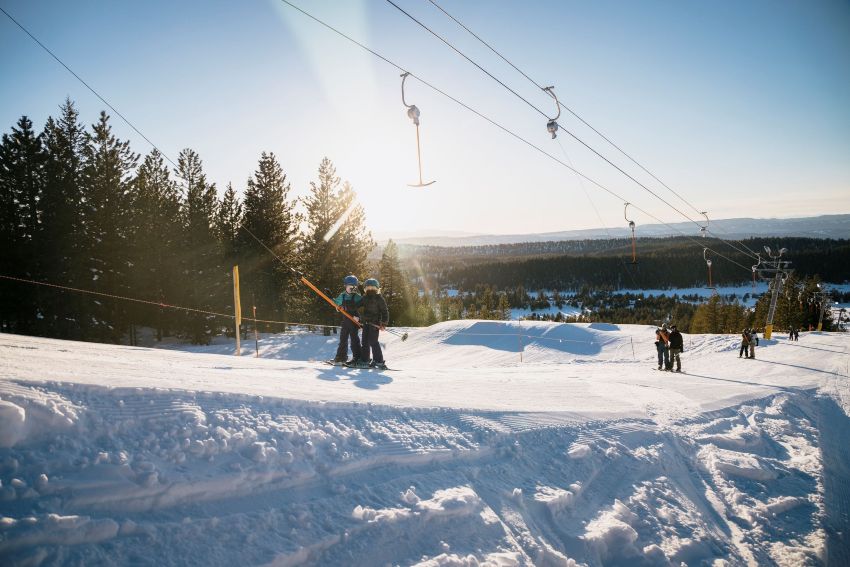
(89, 87)
(548, 90)
(162, 304)
(497, 125)
(462, 54)
(596, 210)
(583, 121)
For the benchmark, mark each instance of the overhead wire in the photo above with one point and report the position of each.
(576, 115)
(125, 119)
(89, 87)
(501, 127)
(160, 304)
(399, 67)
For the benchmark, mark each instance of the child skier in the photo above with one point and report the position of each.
(349, 300)
(375, 317)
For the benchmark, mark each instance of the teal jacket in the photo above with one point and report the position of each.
(349, 301)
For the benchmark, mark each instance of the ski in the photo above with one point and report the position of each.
(344, 365)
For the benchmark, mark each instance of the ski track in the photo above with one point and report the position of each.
(96, 472)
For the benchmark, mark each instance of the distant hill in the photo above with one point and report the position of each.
(824, 226)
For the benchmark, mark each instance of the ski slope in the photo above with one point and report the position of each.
(492, 444)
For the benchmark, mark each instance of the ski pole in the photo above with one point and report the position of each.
(391, 331)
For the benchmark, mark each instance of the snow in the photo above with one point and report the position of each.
(563, 448)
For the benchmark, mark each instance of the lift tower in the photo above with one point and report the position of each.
(775, 270)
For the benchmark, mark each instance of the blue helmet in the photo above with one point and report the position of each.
(350, 280)
(371, 282)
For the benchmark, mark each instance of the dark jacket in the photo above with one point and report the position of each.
(676, 340)
(373, 309)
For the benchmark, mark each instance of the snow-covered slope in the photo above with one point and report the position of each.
(579, 452)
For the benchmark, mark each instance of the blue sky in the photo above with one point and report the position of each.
(742, 107)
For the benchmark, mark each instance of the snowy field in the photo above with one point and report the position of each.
(492, 444)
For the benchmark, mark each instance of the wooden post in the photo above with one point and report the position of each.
(256, 333)
(237, 306)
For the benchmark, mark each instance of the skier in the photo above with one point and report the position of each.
(796, 334)
(349, 300)
(661, 339)
(752, 346)
(754, 337)
(374, 317)
(745, 343)
(677, 345)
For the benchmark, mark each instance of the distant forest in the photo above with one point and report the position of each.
(662, 263)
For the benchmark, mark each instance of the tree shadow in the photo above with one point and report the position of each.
(816, 348)
(802, 367)
(748, 383)
(834, 440)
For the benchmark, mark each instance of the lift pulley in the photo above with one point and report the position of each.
(631, 226)
(552, 125)
(413, 113)
(704, 229)
(708, 263)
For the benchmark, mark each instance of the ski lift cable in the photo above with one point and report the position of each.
(89, 87)
(462, 54)
(578, 117)
(552, 126)
(499, 126)
(376, 54)
(598, 216)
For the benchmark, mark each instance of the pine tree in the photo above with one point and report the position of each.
(205, 281)
(269, 216)
(227, 224)
(331, 254)
(395, 288)
(156, 242)
(107, 204)
(21, 190)
(63, 232)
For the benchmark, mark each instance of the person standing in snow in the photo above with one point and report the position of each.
(754, 337)
(374, 316)
(661, 339)
(677, 345)
(349, 301)
(796, 334)
(745, 343)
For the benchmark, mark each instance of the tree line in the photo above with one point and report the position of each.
(662, 263)
(80, 209)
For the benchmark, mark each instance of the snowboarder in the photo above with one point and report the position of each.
(374, 317)
(752, 346)
(677, 345)
(661, 339)
(745, 343)
(349, 300)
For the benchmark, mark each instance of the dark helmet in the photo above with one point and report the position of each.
(350, 280)
(371, 282)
